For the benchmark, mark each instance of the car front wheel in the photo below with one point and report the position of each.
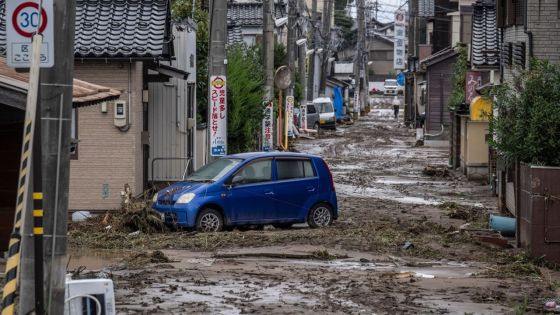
(320, 216)
(210, 220)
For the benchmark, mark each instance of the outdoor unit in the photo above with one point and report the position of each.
(82, 297)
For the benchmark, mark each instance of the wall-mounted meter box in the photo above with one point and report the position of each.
(121, 114)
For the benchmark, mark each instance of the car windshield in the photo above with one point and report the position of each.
(325, 107)
(213, 170)
(390, 82)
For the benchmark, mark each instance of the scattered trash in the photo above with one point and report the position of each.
(423, 275)
(363, 260)
(550, 304)
(504, 225)
(408, 245)
(436, 171)
(134, 233)
(108, 227)
(478, 205)
(494, 239)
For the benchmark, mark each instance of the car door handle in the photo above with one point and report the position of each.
(310, 188)
(269, 192)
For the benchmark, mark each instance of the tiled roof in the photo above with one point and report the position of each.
(116, 28)
(121, 28)
(484, 34)
(84, 93)
(247, 14)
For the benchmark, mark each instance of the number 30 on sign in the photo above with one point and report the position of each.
(22, 22)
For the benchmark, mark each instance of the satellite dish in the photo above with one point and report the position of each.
(283, 77)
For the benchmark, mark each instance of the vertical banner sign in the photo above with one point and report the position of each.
(218, 116)
(473, 81)
(303, 111)
(267, 127)
(356, 108)
(22, 22)
(290, 114)
(399, 47)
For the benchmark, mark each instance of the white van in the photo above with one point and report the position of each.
(327, 117)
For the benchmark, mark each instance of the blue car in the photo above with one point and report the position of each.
(277, 188)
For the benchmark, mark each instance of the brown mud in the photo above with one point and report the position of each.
(405, 242)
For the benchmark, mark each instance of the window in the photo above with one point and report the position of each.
(214, 170)
(311, 109)
(256, 172)
(510, 12)
(325, 108)
(289, 169)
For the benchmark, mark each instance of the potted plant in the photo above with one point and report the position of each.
(526, 132)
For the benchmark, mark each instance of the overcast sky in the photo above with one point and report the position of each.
(386, 10)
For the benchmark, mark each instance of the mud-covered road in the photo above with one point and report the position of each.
(406, 242)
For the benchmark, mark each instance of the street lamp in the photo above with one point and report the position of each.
(309, 52)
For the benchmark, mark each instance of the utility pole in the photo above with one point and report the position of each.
(326, 40)
(55, 93)
(291, 48)
(302, 49)
(217, 67)
(312, 37)
(358, 63)
(268, 39)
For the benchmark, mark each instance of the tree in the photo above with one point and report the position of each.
(527, 127)
(181, 9)
(245, 90)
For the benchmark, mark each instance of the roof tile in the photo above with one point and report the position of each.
(115, 28)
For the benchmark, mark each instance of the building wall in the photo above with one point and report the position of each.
(172, 114)
(381, 53)
(543, 20)
(107, 158)
(439, 77)
(513, 34)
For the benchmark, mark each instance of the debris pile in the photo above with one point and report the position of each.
(436, 171)
(135, 216)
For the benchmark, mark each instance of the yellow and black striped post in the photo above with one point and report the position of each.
(38, 236)
(10, 293)
(10, 288)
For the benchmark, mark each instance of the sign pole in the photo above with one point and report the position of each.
(12, 274)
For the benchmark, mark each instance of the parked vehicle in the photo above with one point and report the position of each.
(327, 116)
(278, 188)
(312, 116)
(390, 87)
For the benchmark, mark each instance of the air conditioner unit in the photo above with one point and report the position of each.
(82, 297)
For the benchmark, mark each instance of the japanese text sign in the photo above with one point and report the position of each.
(267, 127)
(218, 116)
(22, 22)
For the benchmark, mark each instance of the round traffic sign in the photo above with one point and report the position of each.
(400, 78)
(25, 19)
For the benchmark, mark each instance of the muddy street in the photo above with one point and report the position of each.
(407, 241)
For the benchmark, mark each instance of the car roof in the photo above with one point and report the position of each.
(322, 100)
(254, 155)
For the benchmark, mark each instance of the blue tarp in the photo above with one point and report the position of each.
(338, 102)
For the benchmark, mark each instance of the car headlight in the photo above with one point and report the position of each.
(154, 199)
(186, 198)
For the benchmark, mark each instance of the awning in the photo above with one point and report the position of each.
(15, 84)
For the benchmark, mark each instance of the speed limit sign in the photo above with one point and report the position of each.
(24, 18)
